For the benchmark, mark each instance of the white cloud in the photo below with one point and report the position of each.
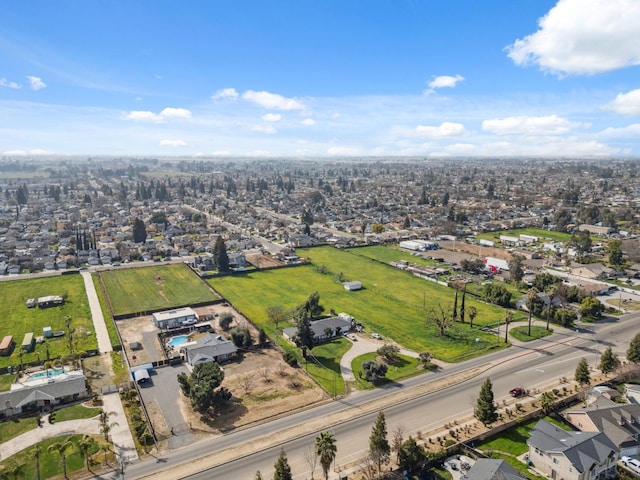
(547, 125)
(272, 117)
(308, 122)
(632, 130)
(272, 100)
(270, 129)
(626, 103)
(221, 153)
(583, 37)
(443, 81)
(167, 113)
(225, 93)
(445, 129)
(6, 83)
(144, 116)
(173, 143)
(170, 112)
(22, 153)
(36, 83)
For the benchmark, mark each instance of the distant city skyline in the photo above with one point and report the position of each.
(332, 78)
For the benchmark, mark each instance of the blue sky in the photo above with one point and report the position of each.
(321, 78)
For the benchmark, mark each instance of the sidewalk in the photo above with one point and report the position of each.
(123, 443)
(48, 430)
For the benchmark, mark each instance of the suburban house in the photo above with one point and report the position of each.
(573, 455)
(491, 469)
(619, 422)
(41, 395)
(175, 318)
(324, 329)
(209, 348)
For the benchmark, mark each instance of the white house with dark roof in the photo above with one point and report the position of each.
(573, 455)
(324, 329)
(209, 348)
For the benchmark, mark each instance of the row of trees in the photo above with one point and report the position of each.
(410, 455)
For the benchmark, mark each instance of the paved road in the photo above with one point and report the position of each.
(541, 363)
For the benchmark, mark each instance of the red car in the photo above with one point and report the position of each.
(517, 392)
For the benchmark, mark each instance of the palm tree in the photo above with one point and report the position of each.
(61, 448)
(531, 298)
(105, 425)
(551, 293)
(35, 453)
(85, 446)
(473, 312)
(326, 449)
(14, 470)
(105, 449)
(508, 318)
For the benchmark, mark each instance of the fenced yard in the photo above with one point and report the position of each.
(73, 314)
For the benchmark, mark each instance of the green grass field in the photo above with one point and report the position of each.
(132, 290)
(392, 302)
(108, 319)
(324, 367)
(17, 319)
(404, 367)
(521, 332)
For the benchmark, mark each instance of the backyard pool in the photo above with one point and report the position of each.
(175, 341)
(52, 372)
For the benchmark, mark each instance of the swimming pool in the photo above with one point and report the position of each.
(52, 372)
(179, 340)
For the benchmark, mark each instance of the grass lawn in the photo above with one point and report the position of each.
(50, 461)
(108, 319)
(512, 441)
(153, 288)
(6, 380)
(324, 366)
(521, 332)
(75, 412)
(393, 303)
(404, 367)
(17, 319)
(11, 428)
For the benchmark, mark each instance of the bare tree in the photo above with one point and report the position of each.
(246, 383)
(368, 467)
(441, 319)
(397, 437)
(309, 455)
(264, 373)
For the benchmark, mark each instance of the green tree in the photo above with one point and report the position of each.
(425, 358)
(35, 453)
(13, 469)
(591, 307)
(547, 402)
(389, 352)
(552, 293)
(497, 294)
(225, 320)
(221, 258)
(582, 375)
(485, 410)
(543, 281)
(532, 298)
(582, 243)
(616, 257)
(377, 228)
(633, 352)
(86, 445)
(258, 476)
(313, 306)
(105, 424)
(304, 336)
(200, 387)
(139, 231)
(373, 371)
(411, 455)
(282, 468)
(61, 449)
(276, 314)
(326, 451)
(379, 447)
(608, 361)
(516, 268)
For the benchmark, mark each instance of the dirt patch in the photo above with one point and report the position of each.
(259, 260)
(263, 386)
(142, 331)
(98, 371)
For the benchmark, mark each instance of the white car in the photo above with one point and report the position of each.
(377, 336)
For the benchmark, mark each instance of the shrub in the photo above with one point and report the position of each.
(290, 358)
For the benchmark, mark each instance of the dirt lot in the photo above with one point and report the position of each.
(262, 384)
(262, 261)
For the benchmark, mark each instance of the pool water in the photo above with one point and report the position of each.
(47, 373)
(179, 340)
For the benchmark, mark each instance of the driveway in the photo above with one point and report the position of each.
(162, 396)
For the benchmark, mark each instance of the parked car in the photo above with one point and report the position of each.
(31, 303)
(517, 392)
(377, 336)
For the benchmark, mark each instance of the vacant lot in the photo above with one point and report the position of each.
(132, 290)
(17, 319)
(392, 302)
